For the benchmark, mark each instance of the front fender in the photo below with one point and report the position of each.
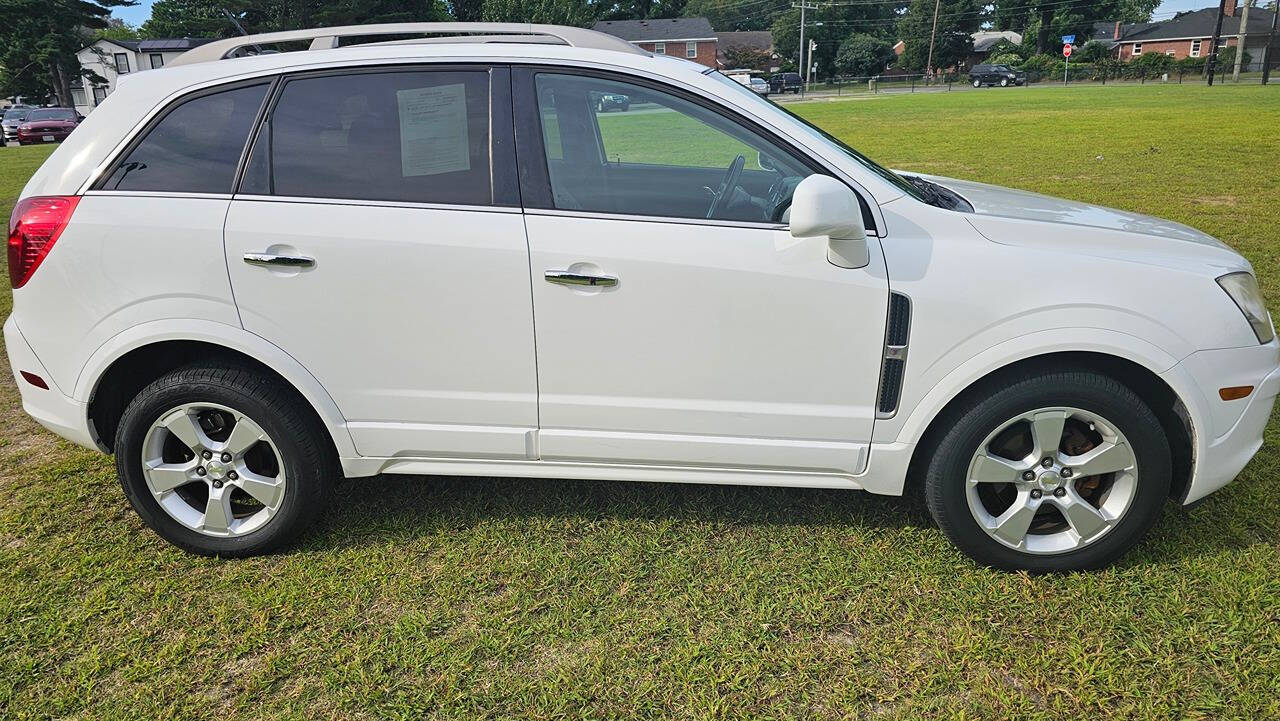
(956, 373)
(221, 334)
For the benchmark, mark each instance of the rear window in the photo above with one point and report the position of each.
(195, 148)
(407, 136)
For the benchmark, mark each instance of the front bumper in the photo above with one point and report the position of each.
(1227, 433)
(50, 407)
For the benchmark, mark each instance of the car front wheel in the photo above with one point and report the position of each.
(223, 461)
(977, 82)
(1004, 82)
(1058, 471)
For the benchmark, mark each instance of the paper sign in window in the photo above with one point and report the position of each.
(433, 130)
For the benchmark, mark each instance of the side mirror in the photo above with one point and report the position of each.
(823, 206)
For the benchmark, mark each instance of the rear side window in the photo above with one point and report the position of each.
(407, 136)
(195, 148)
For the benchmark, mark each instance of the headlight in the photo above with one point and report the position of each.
(1243, 289)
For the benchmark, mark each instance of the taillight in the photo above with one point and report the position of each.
(34, 227)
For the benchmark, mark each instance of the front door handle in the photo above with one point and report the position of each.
(566, 277)
(272, 260)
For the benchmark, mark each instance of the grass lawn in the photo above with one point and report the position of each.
(500, 598)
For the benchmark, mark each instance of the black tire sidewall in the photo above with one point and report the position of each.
(945, 482)
(292, 432)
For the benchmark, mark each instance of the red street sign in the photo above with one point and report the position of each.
(1066, 51)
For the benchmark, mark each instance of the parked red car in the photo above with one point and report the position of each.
(48, 125)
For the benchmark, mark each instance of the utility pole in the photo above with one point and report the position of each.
(928, 66)
(1271, 39)
(809, 64)
(1217, 37)
(1244, 22)
(804, 5)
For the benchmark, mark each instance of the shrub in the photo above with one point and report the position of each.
(1006, 58)
(1039, 63)
(1151, 64)
(1093, 51)
(1227, 58)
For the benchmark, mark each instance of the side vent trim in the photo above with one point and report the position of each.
(897, 332)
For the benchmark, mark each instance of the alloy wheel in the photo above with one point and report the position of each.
(1051, 480)
(213, 469)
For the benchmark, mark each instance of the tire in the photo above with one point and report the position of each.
(296, 447)
(977, 82)
(1004, 82)
(1093, 404)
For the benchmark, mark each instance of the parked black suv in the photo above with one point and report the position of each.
(1001, 75)
(786, 83)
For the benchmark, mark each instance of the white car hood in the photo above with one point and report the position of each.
(1010, 203)
(1020, 218)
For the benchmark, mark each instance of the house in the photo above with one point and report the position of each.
(987, 41)
(1190, 34)
(690, 38)
(109, 59)
(756, 41)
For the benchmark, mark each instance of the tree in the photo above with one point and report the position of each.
(1049, 20)
(863, 54)
(829, 26)
(729, 15)
(206, 18)
(556, 12)
(39, 40)
(641, 9)
(747, 58)
(953, 42)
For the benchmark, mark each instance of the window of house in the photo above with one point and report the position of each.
(1137, 48)
(99, 94)
(157, 61)
(1170, 52)
(660, 48)
(77, 96)
(691, 50)
(196, 146)
(419, 137)
(122, 63)
(1195, 48)
(677, 159)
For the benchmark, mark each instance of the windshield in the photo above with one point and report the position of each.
(52, 114)
(893, 178)
(15, 114)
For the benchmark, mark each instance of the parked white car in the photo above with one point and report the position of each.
(466, 270)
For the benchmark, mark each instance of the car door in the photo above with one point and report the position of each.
(382, 246)
(677, 320)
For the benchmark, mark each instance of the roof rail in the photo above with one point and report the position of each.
(326, 38)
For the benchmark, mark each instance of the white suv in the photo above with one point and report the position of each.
(247, 275)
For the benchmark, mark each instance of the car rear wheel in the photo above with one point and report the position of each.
(1057, 471)
(223, 461)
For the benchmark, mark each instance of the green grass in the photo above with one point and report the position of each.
(499, 598)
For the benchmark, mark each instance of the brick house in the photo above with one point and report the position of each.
(1190, 34)
(689, 38)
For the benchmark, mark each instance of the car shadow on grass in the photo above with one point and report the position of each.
(373, 511)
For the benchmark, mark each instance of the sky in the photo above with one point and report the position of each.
(139, 13)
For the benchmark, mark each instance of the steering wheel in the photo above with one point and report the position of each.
(727, 186)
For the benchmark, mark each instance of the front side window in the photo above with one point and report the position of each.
(122, 63)
(691, 50)
(665, 156)
(195, 148)
(413, 136)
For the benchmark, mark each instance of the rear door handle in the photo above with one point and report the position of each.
(272, 260)
(565, 277)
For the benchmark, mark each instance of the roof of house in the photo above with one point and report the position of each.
(651, 30)
(755, 39)
(1195, 24)
(984, 40)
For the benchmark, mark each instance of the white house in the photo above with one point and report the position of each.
(110, 59)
